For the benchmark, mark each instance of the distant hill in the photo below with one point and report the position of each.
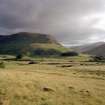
(29, 43)
(92, 49)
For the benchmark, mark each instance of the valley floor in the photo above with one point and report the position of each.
(50, 83)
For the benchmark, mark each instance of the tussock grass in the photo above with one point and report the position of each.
(46, 84)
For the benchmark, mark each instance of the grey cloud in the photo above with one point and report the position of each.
(70, 21)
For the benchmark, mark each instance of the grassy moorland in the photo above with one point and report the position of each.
(52, 81)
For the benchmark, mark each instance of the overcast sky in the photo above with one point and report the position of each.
(70, 21)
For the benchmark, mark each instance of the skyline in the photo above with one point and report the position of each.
(70, 21)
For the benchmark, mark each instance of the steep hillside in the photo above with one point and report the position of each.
(28, 43)
(87, 47)
(97, 49)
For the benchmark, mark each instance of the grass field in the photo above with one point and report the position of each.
(52, 82)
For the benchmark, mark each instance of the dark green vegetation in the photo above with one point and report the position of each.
(30, 44)
(69, 53)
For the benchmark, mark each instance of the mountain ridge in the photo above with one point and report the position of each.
(96, 49)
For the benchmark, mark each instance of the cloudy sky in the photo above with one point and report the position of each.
(70, 21)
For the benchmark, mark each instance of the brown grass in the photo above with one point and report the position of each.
(44, 84)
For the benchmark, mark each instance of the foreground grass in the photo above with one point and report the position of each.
(49, 83)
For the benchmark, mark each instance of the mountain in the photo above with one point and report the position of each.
(97, 49)
(29, 43)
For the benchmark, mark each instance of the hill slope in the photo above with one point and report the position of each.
(98, 51)
(25, 42)
(92, 49)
